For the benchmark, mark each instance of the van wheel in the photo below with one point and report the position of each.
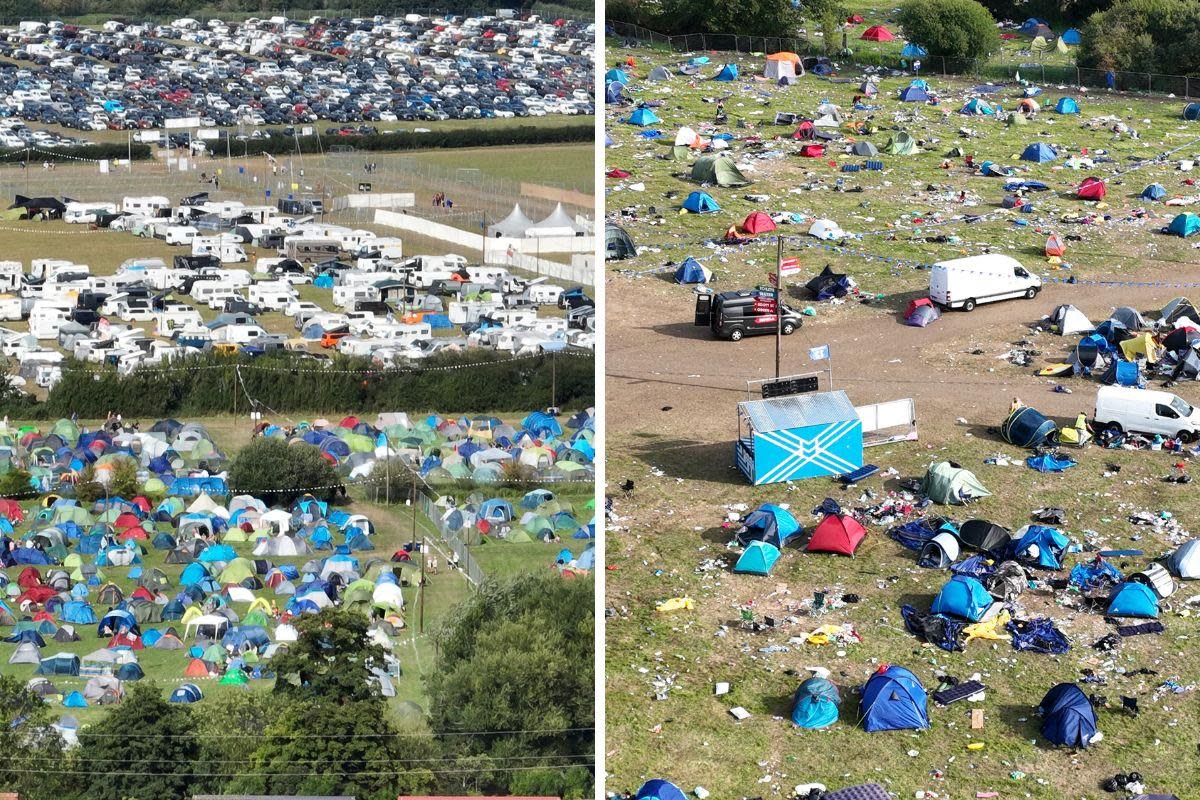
(968, 305)
(736, 334)
(1030, 293)
(788, 329)
(1185, 436)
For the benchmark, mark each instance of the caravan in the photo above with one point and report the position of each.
(146, 206)
(223, 247)
(87, 213)
(47, 317)
(271, 295)
(967, 282)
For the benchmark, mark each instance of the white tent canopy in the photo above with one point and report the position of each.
(514, 225)
(212, 625)
(559, 223)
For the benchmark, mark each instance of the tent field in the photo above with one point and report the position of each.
(673, 392)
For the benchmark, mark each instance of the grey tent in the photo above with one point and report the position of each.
(868, 88)
(1184, 563)
(718, 170)
(864, 148)
(1131, 318)
(617, 243)
(1177, 309)
(514, 225)
(26, 653)
(659, 74)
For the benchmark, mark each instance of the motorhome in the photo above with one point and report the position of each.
(543, 294)
(10, 307)
(46, 317)
(224, 248)
(86, 213)
(177, 317)
(310, 249)
(238, 334)
(271, 295)
(12, 273)
(150, 206)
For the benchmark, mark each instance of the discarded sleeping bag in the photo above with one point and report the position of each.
(937, 629)
(828, 285)
(1068, 718)
(1037, 636)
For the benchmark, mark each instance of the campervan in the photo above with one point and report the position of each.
(224, 248)
(347, 296)
(488, 274)
(46, 317)
(180, 234)
(1124, 408)
(306, 249)
(11, 275)
(86, 213)
(543, 294)
(177, 317)
(271, 295)
(239, 334)
(967, 282)
(148, 206)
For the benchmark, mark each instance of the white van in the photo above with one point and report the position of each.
(1146, 411)
(967, 282)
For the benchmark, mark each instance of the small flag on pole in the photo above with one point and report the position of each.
(818, 353)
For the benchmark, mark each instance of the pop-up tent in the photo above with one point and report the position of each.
(1072, 36)
(949, 484)
(1068, 718)
(618, 244)
(864, 148)
(837, 533)
(1027, 427)
(700, 203)
(985, 537)
(914, 94)
(977, 107)
(1091, 189)
(692, 271)
(965, 597)
(921, 312)
(718, 170)
(1184, 563)
(758, 222)
(729, 72)
(643, 117)
(877, 33)
(769, 523)
(757, 559)
(1133, 599)
(901, 144)
(659, 73)
(1184, 225)
(1154, 191)
(1039, 153)
(1067, 105)
(658, 789)
(892, 700)
(816, 704)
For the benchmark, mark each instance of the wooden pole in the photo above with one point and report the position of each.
(778, 304)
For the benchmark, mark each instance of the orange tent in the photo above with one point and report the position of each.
(784, 56)
(1055, 246)
(196, 669)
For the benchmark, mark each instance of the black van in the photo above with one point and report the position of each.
(746, 312)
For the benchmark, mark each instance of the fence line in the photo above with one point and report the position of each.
(1130, 82)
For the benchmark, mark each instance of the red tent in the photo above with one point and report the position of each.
(196, 669)
(37, 595)
(1092, 189)
(804, 130)
(837, 533)
(813, 151)
(29, 578)
(125, 640)
(11, 510)
(878, 33)
(142, 504)
(142, 593)
(136, 532)
(348, 422)
(757, 223)
(43, 616)
(855, 19)
(616, 172)
(126, 521)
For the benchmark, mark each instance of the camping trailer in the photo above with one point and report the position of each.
(149, 206)
(1146, 411)
(967, 282)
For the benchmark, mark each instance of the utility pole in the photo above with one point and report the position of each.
(421, 590)
(554, 379)
(778, 304)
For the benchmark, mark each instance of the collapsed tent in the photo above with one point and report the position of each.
(828, 285)
(949, 484)
(1068, 718)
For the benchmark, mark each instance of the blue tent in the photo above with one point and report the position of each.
(615, 75)
(78, 612)
(729, 72)
(893, 700)
(1051, 545)
(1039, 153)
(116, 621)
(914, 94)
(770, 523)
(1184, 225)
(1154, 191)
(587, 559)
(1133, 599)
(1048, 462)
(816, 704)
(614, 93)
(187, 693)
(496, 510)
(976, 106)
(963, 596)
(541, 424)
(1191, 112)
(192, 574)
(1027, 427)
(700, 203)
(1067, 105)
(691, 271)
(658, 789)
(217, 552)
(60, 664)
(757, 559)
(912, 50)
(1072, 36)
(643, 117)
(1067, 716)
(74, 700)
(131, 671)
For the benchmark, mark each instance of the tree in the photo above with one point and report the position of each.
(330, 660)
(1143, 36)
(517, 659)
(16, 10)
(962, 30)
(120, 481)
(33, 760)
(144, 747)
(743, 17)
(247, 712)
(266, 465)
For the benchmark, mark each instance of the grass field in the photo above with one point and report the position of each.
(424, 611)
(671, 395)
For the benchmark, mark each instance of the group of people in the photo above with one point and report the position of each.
(441, 201)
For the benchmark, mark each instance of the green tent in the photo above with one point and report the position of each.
(215, 654)
(718, 171)
(237, 571)
(901, 144)
(256, 617)
(234, 677)
(948, 484)
(1016, 118)
(68, 431)
(519, 536)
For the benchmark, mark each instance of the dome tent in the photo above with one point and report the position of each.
(893, 699)
(965, 597)
(816, 704)
(1068, 718)
(718, 170)
(1067, 105)
(1184, 563)
(949, 484)
(769, 523)
(1039, 153)
(1027, 427)
(1133, 599)
(692, 271)
(757, 559)
(837, 533)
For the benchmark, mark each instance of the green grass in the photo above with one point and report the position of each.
(672, 523)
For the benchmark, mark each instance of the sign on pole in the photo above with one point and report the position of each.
(789, 266)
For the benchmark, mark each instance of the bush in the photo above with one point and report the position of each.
(953, 29)
(1144, 36)
(15, 482)
(111, 151)
(122, 482)
(282, 472)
